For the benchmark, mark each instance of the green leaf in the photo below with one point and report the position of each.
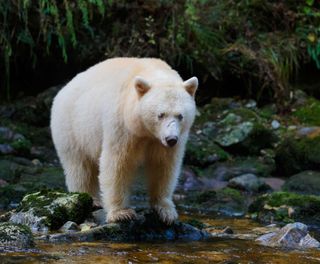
(310, 2)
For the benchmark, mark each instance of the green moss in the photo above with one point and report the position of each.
(287, 207)
(205, 196)
(260, 138)
(21, 145)
(20, 235)
(309, 113)
(202, 152)
(57, 207)
(195, 222)
(295, 155)
(229, 193)
(292, 199)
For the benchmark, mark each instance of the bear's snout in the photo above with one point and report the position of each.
(171, 140)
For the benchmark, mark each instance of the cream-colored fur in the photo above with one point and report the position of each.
(115, 116)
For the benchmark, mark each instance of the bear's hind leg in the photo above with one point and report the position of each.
(81, 175)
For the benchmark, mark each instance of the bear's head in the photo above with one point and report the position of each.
(167, 109)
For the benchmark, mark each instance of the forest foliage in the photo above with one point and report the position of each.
(261, 42)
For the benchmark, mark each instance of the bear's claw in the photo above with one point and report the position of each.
(121, 215)
(167, 214)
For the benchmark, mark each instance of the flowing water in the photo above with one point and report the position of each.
(214, 251)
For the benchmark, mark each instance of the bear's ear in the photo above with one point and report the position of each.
(141, 85)
(191, 85)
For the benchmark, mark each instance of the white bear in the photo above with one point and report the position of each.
(117, 115)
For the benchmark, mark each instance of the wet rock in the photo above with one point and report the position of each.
(3, 183)
(226, 201)
(239, 166)
(147, 227)
(99, 216)
(274, 183)
(294, 155)
(6, 149)
(293, 236)
(69, 227)
(12, 235)
(10, 170)
(275, 124)
(201, 149)
(244, 131)
(6, 134)
(248, 182)
(11, 195)
(306, 182)
(87, 226)
(286, 207)
(49, 210)
(236, 134)
(188, 181)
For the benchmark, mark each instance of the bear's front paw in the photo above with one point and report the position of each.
(167, 214)
(121, 215)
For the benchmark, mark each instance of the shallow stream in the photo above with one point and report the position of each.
(214, 251)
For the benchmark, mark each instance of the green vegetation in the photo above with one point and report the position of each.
(295, 155)
(287, 207)
(274, 40)
(309, 113)
(57, 207)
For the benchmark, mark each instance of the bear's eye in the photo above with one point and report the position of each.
(160, 116)
(180, 117)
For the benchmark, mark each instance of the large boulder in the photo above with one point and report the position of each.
(147, 227)
(306, 182)
(225, 171)
(292, 236)
(286, 207)
(243, 131)
(49, 210)
(298, 153)
(13, 235)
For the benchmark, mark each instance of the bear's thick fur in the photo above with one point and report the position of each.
(119, 114)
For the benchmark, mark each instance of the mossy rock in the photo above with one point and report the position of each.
(51, 209)
(14, 235)
(306, 182)
(202, 151)
(286, 207)
(10, 195)
(226, 201)
(260, 166)
(294, 155)
(309, 113)
(45, 178)
(243, 131)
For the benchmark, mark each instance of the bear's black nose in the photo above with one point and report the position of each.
(172, 140)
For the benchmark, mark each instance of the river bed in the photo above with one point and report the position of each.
(218, 250)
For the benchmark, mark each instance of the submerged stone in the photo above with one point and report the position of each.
(13, 235)
(226, 201)
(49, 210)
(147, 227)
(292, 236)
